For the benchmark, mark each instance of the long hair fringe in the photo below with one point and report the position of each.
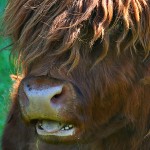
(38, 27)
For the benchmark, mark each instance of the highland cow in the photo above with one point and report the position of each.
(85, 81)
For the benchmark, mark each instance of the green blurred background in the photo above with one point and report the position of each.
(6, 68)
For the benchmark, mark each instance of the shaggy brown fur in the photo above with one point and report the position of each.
(102, 47)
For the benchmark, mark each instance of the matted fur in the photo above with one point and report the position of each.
(110, 39)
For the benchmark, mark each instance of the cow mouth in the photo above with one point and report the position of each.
(55, 128)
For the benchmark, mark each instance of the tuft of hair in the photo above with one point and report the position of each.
(56, 27)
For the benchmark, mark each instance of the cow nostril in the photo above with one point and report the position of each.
(57, 97)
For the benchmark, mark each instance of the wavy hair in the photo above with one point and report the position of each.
(57, 27)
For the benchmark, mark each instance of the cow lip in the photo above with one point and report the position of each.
(55, 128)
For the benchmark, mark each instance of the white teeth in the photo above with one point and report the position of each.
(70, 126)
(67, 127)
(52, 128)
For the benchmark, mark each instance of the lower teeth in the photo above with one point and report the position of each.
(55, 128)
(48, 126)
(67, 127)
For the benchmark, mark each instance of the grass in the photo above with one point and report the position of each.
(6, 68)
(5, 83)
